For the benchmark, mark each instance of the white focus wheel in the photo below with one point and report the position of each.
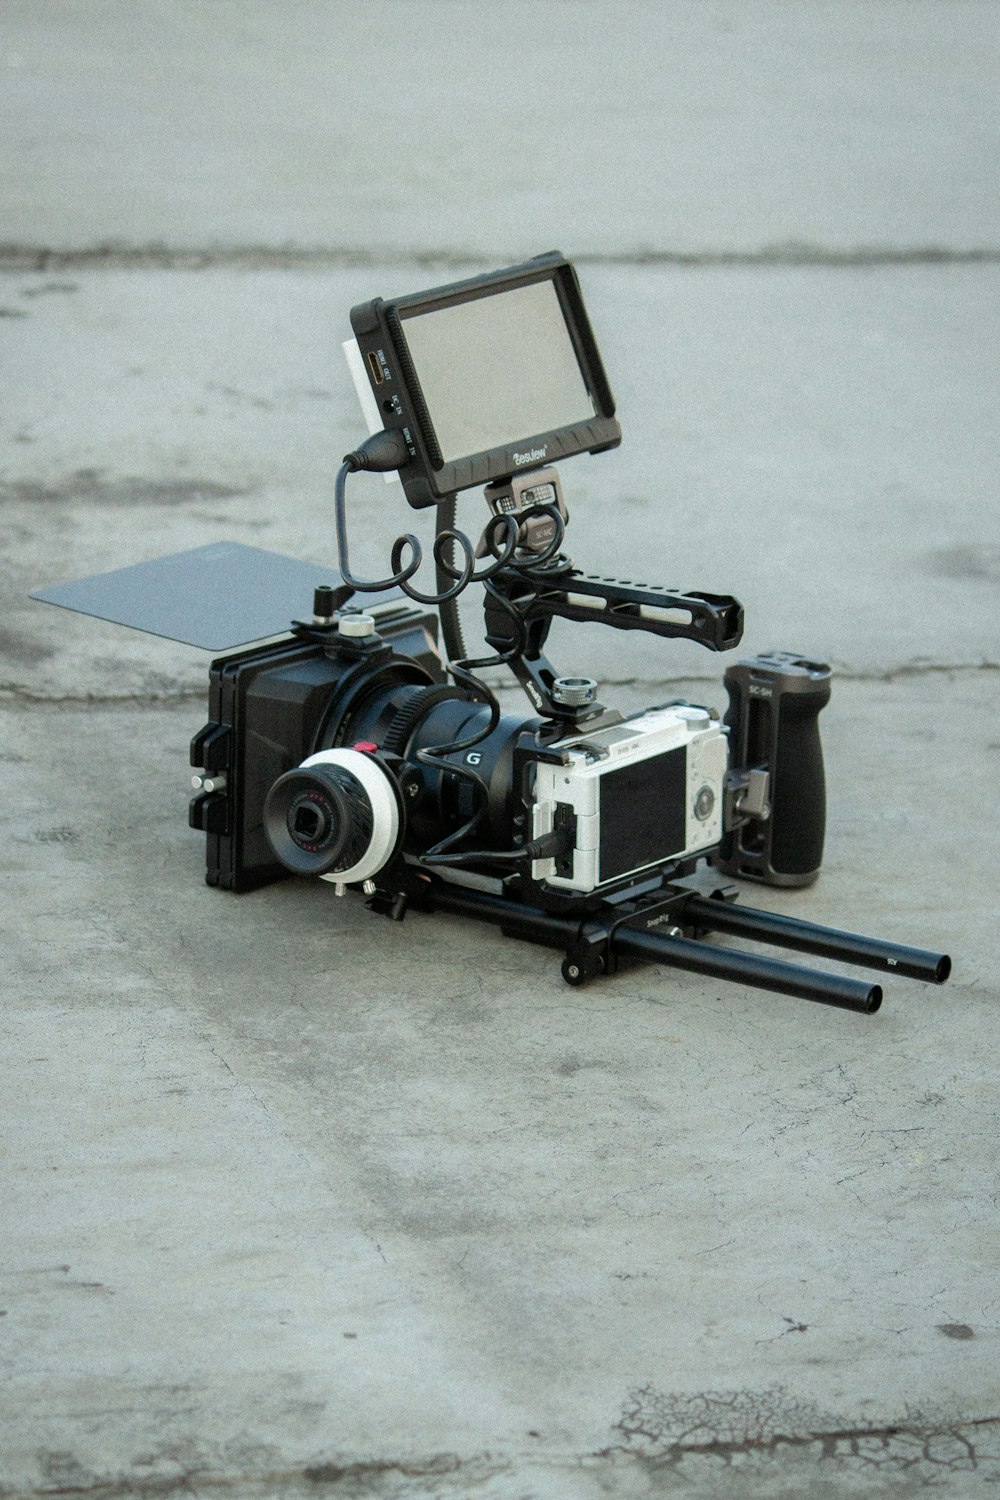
(385, 811)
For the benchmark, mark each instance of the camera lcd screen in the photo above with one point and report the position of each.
(643, 813)
(498, 369)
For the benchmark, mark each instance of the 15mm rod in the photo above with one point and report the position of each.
(761, 972)
(755, 969)
(808, 937)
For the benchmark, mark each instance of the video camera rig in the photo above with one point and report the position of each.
(342, 751)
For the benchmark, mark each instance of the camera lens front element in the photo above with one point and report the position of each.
(309, 820)
(337, 815)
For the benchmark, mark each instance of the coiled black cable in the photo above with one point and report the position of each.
(444, 852)
(386, 451)
(402, 573)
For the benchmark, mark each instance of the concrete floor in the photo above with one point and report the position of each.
(297, 1201)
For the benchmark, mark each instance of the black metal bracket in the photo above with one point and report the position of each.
(713, 620)
(539, 595)
(594, 951)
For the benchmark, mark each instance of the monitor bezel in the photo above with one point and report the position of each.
(380, 329)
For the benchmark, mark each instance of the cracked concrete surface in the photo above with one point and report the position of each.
(297, 1202)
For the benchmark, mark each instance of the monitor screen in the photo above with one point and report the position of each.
(484, 378)
(497, 369)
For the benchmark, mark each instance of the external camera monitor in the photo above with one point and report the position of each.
(485, 378)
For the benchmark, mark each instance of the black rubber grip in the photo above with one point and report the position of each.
(775, 701)
(798, 804)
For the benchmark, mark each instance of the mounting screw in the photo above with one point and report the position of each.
(574, 692)
(356, 627)
(203, 782)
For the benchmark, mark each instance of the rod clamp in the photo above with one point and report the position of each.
(746, 795)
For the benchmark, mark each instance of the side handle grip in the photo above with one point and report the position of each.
(774, 705)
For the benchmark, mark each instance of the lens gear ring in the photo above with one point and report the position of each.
(417, 705)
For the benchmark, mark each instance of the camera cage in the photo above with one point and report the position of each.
(256, 737)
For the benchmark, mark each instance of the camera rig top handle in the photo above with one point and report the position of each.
(538, 595)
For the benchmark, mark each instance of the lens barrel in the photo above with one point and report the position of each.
(343, 814)
(337, 815)
(318, 820)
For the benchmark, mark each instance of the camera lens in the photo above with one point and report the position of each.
(320, 815)
(337, 815)
(308, 821)
(318, 820)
